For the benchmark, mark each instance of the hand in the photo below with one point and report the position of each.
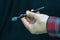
(35, 22)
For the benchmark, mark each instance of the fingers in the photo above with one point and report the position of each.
(25, 22)
(38, 12)
(31, 14)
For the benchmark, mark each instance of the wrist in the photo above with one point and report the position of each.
(44, 19)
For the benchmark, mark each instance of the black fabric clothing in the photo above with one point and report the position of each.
(15, 30)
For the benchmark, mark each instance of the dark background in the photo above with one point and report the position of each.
(15, 30)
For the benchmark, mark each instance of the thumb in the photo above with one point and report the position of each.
(31, 14)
